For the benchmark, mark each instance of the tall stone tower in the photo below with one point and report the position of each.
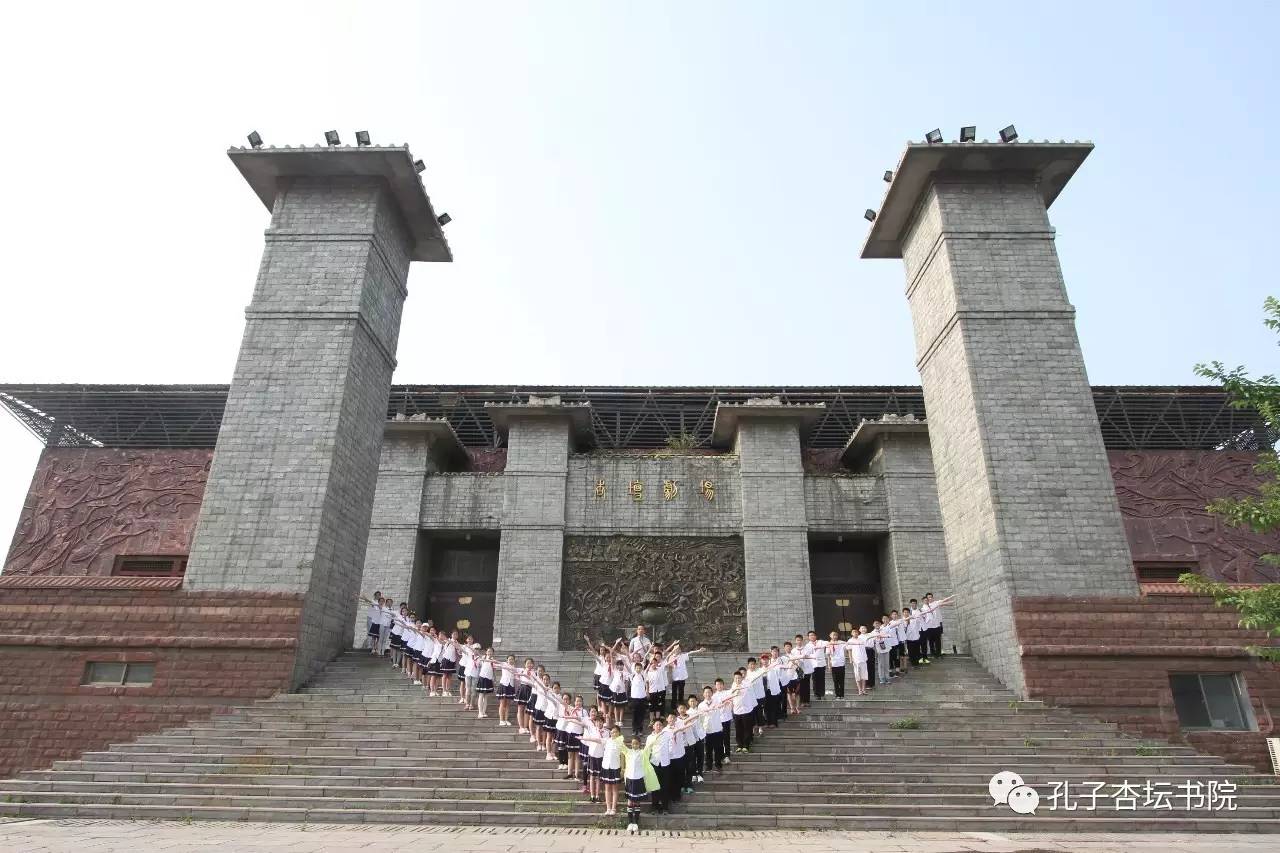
(290, 492)
(1028, 504)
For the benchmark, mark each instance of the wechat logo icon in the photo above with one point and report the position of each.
(1007, 788)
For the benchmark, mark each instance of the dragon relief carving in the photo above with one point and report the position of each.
(1163, 495)
(703, 580)
(87, 506)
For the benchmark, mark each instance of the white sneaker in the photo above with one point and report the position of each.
(417, 684)
(632, 828)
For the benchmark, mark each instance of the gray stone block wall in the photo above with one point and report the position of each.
(531, 551)
(775, 533)
(849, 505)
(291, 488)
(1025, 492)
(913, 558)
(392, 553)
(463, 501)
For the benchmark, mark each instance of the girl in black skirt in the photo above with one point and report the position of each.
(484, 682)
(635, 762)
(592, 754)
(572, 733)
(524, 699)
(610, 745)
(505, 690)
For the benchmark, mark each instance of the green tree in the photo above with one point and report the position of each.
(1259, 608)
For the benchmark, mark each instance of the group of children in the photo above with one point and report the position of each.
(675, 739)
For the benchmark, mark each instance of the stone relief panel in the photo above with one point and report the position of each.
(703, 580)
(1163, 495)
(86, 506)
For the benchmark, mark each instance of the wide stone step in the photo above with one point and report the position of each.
(248, 769)
(449, 817)
(1007, 822)
(558, 804)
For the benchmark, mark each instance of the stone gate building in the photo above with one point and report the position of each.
(229, 529)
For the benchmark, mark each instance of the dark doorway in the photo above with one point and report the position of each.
(462, 582)
(846, 585)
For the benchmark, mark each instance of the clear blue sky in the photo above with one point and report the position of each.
(665, 193)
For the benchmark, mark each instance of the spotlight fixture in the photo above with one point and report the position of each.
(362, 138)
(969, 133)
(870, 215)
(1009, 134)
(255, 139)
(933, 137)
(888, 177)
(444, 219)
(331, 137)
(419, 166)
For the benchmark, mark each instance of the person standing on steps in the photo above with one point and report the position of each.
(792, 672)
(639, 693)
(373, 623)
(856, 649)
(884, 661)
(743, 712)
(772, 689)
(802, 651)
(714, 731)
(640, 779)
(911, 626)
(640, 643)
(835, 663)
(619, 688)
(817, 650)
(932, 626)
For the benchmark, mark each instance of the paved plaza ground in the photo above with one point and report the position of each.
(102, 836)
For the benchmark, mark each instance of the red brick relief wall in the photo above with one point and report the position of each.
(1163, 495)
(487, 460)
(210, 650)
(1111, 659)
(86, 506)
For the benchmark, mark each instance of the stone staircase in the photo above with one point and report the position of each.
(361, 744)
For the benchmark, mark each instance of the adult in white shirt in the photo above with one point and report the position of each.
(640, 643)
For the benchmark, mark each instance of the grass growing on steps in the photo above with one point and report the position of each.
(906, 723)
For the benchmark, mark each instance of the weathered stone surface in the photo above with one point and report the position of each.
(291, 489)
(1024, 487)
